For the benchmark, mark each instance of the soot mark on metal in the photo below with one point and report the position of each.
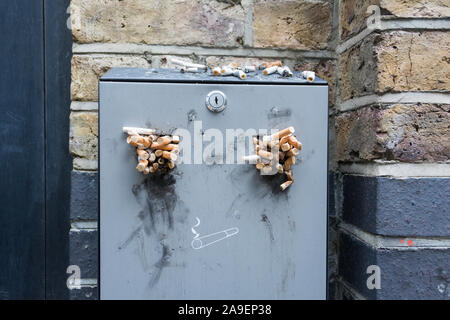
(157, 197)
(159, 266)
(268, 224)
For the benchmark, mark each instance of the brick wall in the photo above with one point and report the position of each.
(389, 115)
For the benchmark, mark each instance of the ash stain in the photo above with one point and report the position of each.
(275, 112)
(192, 116)
(268, 224)
(163, 262)
(157, 197)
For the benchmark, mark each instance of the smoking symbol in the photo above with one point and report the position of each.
(207, 240)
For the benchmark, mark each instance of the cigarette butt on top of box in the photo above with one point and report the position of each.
(155, 165)
(226, 71)
(248, 69)
(152, 157)
(147, 170)
(158, 153)
(190, 69)
(161, 161)
(171, 165)
(270, 70)
(309, 75)
(280, 168)
(216, 71)
(240, 74)
(285, 185)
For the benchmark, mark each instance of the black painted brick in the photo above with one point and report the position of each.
(84, 196)
(84, 252)
(405, 274)
(398, 207)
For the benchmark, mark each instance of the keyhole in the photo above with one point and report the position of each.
(217, 100)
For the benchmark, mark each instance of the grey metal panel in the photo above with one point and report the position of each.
(145, 223)
(170, 75)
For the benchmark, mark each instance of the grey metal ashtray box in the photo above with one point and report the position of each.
(263, 243)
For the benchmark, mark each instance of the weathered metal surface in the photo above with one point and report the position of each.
(279, 249)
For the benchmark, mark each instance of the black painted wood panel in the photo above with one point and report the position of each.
(58, 53)
(22, 173)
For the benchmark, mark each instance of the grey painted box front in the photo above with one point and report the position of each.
(277, 249)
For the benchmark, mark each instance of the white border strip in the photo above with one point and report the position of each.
(395, 98)
(134, 48)
(394, 243)
(397, 24)
(83, 106)
(398, 169)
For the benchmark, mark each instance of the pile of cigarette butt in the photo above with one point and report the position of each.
(276, 154)
(155, 153)
(233, 69)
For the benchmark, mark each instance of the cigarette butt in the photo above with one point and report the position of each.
(232, 65)
(284, 140)
(294, 142)
(187, 64)
(147, 170)
(284, 132)
(276, 63)
(267, 169)
(143, 154)
(251, 158)
(165, 147)
(256, 141)
(285, 147)
(226, 71)
(248, 69)
(270, 70)
(161, 161)
(171, 165)
(285, 71)
(280, 168)
(169, 155)
(152, 170)
(164, 140)
(309, 75)
(285, 185)
(142, 165)
(289, 175)
(216, 71)
(159, 153)
(240, 74)
(281, 155)
(257, 147)
(152, 157)
(293, 152)
(265, 154)
(175, 139)
(189, 69)
(155, 165)
(134, 140)
(291, 160)
(259, 166)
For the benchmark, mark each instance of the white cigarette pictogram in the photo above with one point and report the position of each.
(207, 240)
